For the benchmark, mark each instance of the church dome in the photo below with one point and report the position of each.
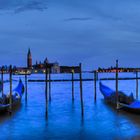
(46, 60)
(56, 63)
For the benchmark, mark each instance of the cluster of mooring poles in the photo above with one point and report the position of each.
(118, 104)
(95, 79)
(10, 85)
(48, 87)
(48, 81)
(2, 82)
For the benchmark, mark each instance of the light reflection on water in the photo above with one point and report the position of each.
(65, 121)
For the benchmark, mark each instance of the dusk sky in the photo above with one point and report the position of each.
(94, 32)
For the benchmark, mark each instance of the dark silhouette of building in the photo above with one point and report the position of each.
(69, 69)
(29, 59)
(41, 67)
(46, 61)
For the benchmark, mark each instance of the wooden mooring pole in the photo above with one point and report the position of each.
(26, 88)
(46, 91)
(117, 94)
(2, 81)
(72, 85)
(81, 90)
(137, 84)
(97, 76)
(50, 97)
(10, 78)
(95, 88)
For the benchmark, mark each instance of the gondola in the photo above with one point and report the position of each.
(16, 98)
(126, 102)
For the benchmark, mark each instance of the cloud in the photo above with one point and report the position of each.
(31, 6)
(78, 19)
(23, 5)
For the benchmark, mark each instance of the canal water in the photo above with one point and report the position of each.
(65, 122)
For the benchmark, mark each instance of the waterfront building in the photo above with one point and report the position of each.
(69, 69)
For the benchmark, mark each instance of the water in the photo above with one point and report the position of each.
(65, 121)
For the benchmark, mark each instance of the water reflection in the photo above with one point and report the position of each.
(64, 116)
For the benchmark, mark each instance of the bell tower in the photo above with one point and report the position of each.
(29, 59)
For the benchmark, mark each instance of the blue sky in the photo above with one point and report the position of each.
(94, 32)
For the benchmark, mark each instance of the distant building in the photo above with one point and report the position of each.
(41, 67)
(55, 68)
(69, 69)
(29, 59)
(46, 61)
(120, 69)
(21, 70)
